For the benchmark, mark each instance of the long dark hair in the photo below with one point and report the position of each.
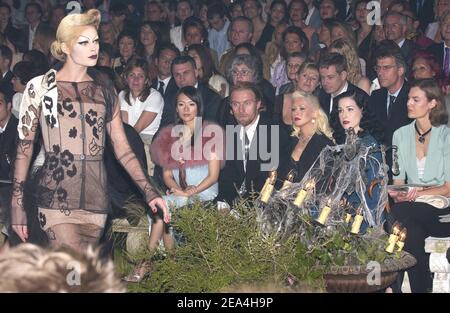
(368, 122)
(193, 94)
(131, 64)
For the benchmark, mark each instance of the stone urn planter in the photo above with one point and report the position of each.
(354, 279)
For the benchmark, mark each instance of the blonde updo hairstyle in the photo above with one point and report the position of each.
(70, 28)
(321, 120)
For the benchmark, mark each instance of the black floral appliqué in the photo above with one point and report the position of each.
(91, 117)
(66, 158)
(72, 172)
(58, 175)
(42, 219)
(94, 148)
(73, 132)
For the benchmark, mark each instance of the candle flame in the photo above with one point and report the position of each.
(396, 228)
(402, 236)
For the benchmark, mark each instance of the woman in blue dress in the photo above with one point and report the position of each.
(191, 153)
(353, 112)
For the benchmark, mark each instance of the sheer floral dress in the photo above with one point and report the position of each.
(71, 192)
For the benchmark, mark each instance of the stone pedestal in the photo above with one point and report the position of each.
(439, 265)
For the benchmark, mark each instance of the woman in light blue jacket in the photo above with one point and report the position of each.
(423, 149)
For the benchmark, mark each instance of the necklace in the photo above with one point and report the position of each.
(421, 136)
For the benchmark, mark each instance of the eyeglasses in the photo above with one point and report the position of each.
(241, 72)
(383, 68)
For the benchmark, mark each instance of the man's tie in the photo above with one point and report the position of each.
(246, 147)
(161, 88)
(447, 61)
(391, 104)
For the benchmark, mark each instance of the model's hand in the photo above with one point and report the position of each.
(21, 231)
(160, 203)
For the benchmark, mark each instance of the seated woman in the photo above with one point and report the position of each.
(188, 174)
(352, 111)
(140, 105)
(311, 134)
(423, 158)
(307, 80)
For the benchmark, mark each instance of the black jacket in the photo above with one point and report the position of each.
(168, 114)
(324, 98)
(232, 176)
(8, 148)
(307, 159)
(437, 49)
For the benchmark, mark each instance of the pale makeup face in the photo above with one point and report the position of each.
(302, 112)
(350, 113)
(136, 80)
(84, 50)
(186, 108)
(418, 104)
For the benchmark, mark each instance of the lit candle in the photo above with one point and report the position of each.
(288, 182)
(393, 238)
(348, 218)
(356, 226)
(401, 239)
(302, 194)
(267, 189)
(324, 213)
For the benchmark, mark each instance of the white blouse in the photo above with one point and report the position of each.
(153, 103)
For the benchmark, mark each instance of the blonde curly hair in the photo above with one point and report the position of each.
(69, 30)
(322, 125)
(29, 268)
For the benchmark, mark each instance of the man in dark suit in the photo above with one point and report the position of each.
(33, 15)
(333, 76)
(424, 9)
(8, 147)
(441, 51)
(164, 82)
(253, 150)
(395, 29)
(389, 102)
(5, 69)
(185, 73)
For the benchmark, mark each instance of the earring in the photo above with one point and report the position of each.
(313, 121)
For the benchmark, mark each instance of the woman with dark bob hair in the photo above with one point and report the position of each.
(353, 113)
(423, 150)
(191, 153)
